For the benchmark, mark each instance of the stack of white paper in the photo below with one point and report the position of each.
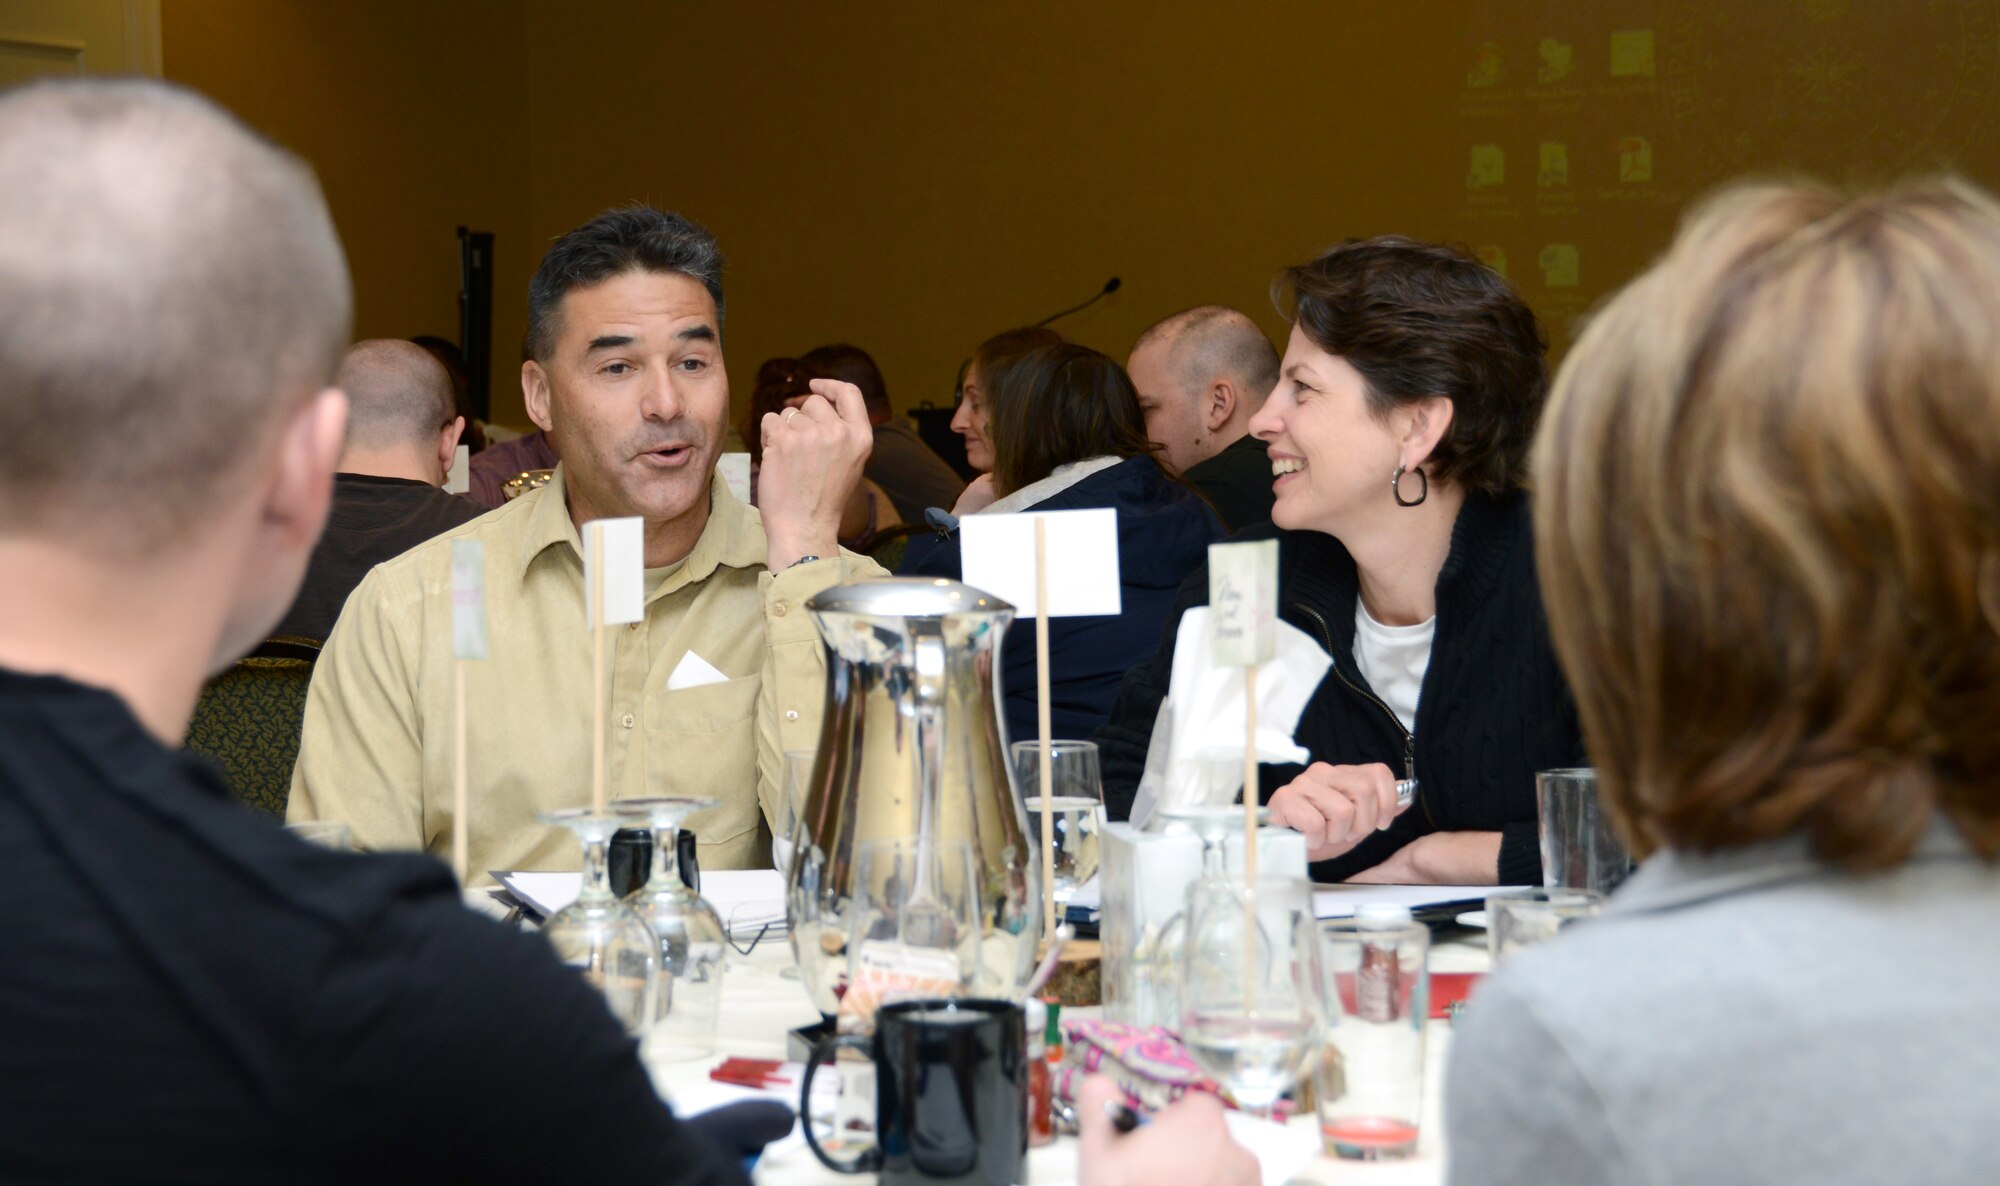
(748, 900)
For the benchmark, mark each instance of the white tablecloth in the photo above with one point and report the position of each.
(759, 1005)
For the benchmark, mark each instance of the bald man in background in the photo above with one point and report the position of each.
(1201, 374)
(402, 429)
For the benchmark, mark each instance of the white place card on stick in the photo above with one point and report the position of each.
(459, 479)
(735, 471)
(468, 599)
(619, 545)
(999, 557)
(1243, 602)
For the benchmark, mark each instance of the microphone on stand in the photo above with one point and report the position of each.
(1110, 286)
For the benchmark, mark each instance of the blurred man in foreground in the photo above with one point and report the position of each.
(191, 994)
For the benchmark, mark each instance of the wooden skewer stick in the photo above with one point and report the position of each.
(597, 674)
(1045, 762)
(459, 828)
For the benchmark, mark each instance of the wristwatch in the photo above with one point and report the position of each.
(799, 561)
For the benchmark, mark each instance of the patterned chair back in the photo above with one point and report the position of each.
(249, 718)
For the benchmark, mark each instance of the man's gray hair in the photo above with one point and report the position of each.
(1211, 342)
(628, 239)
(170, 286)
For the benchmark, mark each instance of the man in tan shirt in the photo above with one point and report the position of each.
(706, 694)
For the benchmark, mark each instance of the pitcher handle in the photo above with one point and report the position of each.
(869, 1160)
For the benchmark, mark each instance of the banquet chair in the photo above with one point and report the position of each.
(249, 718)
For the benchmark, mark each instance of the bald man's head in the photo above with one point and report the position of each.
(398, 395)
(1201, 374)
(170, 288)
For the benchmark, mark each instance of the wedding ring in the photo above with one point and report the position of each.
(789, 413)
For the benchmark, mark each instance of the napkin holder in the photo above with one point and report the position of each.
(1144, 882)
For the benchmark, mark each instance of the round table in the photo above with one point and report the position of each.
(760, 1004)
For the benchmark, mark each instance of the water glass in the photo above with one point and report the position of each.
(1076, 804)
(1580, 849)
(1522, 918)
(1250, 1008)
(1376, 995)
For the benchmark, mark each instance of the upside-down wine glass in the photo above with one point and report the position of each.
(691, 942)
(1250, 1001)
(599, 935)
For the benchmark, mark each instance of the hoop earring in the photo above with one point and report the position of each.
(1396, 487)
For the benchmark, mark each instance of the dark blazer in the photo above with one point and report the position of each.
(1494, 708)
(1164, 530)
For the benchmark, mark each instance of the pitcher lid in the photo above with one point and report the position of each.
(907, 597)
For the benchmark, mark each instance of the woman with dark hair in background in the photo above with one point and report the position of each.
(1398, 436)
(1064, 432)
(969, 419)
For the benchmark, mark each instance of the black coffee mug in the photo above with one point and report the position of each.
(951, 1093)
(631, 859)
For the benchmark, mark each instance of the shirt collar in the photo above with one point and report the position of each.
(1673, 878)
(733, 537)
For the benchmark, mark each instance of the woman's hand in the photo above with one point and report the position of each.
(1187, 1144)
(1440, 858)
(1337, 807)
(978, 495)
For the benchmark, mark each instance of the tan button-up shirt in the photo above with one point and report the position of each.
(377, 750)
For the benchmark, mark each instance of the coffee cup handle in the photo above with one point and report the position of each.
(868, 1161)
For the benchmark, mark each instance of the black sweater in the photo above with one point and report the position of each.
(1494, 708)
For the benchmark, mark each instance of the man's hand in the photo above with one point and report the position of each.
(1337, 807)
(1188, 1144)
(977, 496)
(1440, 858)
(813, 457)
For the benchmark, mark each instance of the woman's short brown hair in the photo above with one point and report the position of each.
(1421, 319)
(1768, 507)
(1058, 404)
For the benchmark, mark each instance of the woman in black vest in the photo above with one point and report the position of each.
(1398, 436)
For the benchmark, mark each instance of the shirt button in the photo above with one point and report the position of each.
(778, 608)
(791, 714)
(628, 721)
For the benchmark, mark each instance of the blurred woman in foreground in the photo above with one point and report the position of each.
(1768, 506)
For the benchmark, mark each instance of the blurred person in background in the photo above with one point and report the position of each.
(1201, 374)
(1065, 434)
(782, 384)
(1768, 511)
(969, 418)
(900, 464)
(402, 432)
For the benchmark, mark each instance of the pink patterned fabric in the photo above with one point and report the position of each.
(1148, 1063)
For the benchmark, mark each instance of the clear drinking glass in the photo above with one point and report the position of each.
(688, 936)
(600, 936)
(1161, 961)
(915, 925)
(1370, 1078)
(1580, 848)
(1076, 800)
(1250, 1008)
(1522, 918)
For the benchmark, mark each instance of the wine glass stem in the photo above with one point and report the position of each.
(596, 868)
(1212, 864)
(666, 856)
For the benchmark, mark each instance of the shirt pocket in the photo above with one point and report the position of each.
(704, 742)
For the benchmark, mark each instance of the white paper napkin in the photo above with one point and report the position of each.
(1196, 754)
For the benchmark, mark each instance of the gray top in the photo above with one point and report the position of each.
(1750, 1017)
(911, 474)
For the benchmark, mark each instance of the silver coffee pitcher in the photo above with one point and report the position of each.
(912, 747)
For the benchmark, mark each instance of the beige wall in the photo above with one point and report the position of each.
(913, 176)
(413, 114)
